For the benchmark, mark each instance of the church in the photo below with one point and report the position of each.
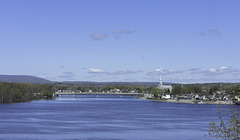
(164, 87)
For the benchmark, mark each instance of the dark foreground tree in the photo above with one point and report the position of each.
(229, 126)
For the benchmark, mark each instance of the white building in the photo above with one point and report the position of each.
(167, 96)
(163, 87)
(148, 96)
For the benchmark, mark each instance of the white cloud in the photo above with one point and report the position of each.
(91, 70)
(166, 71)
(99, 36)
(214, 74)
(124, 72)
(162, 71)
(118, 72)
(159, 70)
(213, 70)
(221, 70)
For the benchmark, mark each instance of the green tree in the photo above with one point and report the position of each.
(229, 126)
(47, 93)
(156, 92)
(178, 90)
(237, 90)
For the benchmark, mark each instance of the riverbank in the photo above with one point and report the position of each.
(190, 101)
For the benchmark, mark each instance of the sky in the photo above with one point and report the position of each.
(185, 41)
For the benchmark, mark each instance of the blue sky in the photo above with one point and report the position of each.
(185, 41)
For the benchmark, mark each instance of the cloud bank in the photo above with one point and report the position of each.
(212, 74)
(163, 71)
(214, 71)
(91, 70)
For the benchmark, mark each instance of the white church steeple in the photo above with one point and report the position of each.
(160, 85)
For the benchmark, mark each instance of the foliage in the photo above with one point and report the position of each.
(191, 88)
(214, 89)
(229, 127)
(178, 90)
(21, 92)
(236, 90)
(47, 93)
(156, 92)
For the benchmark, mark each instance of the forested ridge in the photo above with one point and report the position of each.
(22, 92)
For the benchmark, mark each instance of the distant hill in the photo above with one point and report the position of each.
(23, 79)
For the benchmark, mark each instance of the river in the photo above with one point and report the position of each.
(90, 118)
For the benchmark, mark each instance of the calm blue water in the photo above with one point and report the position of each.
(104, 119)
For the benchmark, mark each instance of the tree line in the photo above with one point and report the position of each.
(22, 92)
(208, 90)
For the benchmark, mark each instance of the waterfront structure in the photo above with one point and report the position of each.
(73, 94)
(164, 87)
(167, 96)
(148, 96)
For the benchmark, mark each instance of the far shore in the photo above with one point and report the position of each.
(189, 101)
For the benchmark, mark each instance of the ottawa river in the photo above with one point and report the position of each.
(104, 118)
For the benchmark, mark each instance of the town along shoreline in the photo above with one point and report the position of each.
(187, 101)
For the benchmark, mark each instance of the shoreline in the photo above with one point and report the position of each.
(185, 101)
